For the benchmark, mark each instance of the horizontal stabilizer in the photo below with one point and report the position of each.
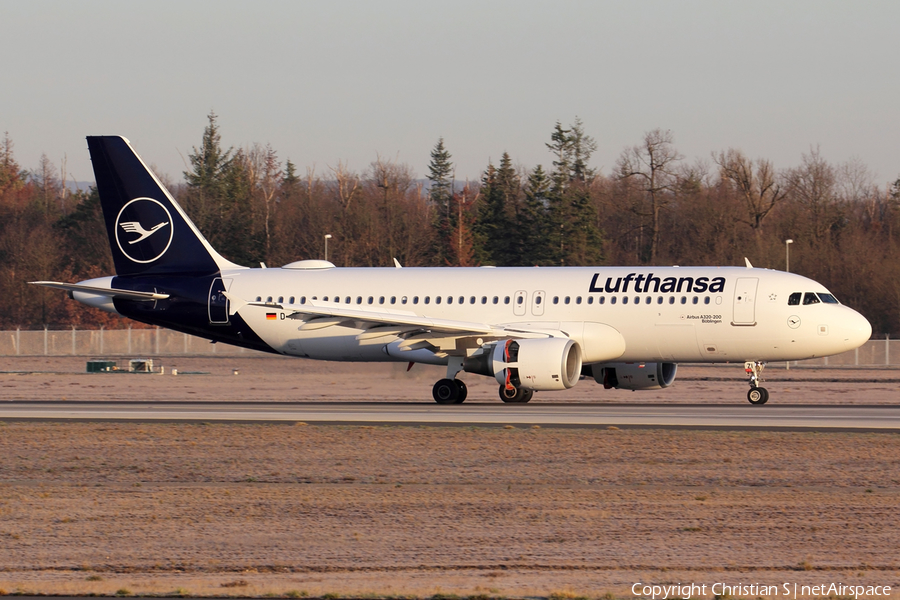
(112, 293)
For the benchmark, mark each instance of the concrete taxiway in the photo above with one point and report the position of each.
(731, 416)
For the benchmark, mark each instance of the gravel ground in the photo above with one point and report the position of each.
(414, 510)
(280, 379)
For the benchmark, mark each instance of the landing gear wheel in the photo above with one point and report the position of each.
(446, 391)
(754, 369)
(463, 391)
(758, 395)
(515, 395)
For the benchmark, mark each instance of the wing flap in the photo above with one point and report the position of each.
(389, 318)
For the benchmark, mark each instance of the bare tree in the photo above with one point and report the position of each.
(756, 183)
(813, 186)
(652, 165)
(347, 183)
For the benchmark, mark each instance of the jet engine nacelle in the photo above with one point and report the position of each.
(634, 376)
(536, 364)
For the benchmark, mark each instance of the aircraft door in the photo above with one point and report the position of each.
(218, 303)
(519, 303)
(537, 304)
(745, 301)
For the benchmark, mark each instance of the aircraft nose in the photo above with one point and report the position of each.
(856, 328)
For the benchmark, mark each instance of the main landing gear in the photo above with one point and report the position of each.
(515, 395)
(756, 395)
(451, 390)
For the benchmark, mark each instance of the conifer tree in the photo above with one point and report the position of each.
(205, 202)
(497, 229)
(574, 236)
(533, 223)
(440, 173)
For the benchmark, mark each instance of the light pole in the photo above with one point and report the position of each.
(327, 237)
(787, 255)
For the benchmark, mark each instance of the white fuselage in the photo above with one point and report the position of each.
(672, 314)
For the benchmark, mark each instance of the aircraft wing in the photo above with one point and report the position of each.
(316, 316)
(112, 293)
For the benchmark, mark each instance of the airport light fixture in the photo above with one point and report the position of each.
(327, 237)
(787, 255)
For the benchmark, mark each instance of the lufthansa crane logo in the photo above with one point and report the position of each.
(144, 230)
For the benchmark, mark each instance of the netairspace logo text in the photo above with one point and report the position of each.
(687, 591)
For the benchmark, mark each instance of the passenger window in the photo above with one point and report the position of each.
(325, 298)
(280, 299)
(259, 298)
(590, 299)
(472, 300)
(381, 300)
(602, 300)
(302, 299)
(402, 300)
(269, 299)
(794, 299)
(578, 300)
(612, 300)
(291, 300)
(484, 299)
(637, 300)
(828, 299)
(625, 300)
(568, 299)
(415, 299)
(463, 300)
(706, 300)
(671, 299)
(555, 299)
(648, 300)
(346, 300)
(394, 300)
(538, 300)
(437, 300)
(810, 298)
(506, 300)
(371, 300)
(496, 299)
(520, 300)
(659, 300)
(683, 300)
(694, 300)
(427, 299)
(449, 299)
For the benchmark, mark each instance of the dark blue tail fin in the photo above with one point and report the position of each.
(149, 234)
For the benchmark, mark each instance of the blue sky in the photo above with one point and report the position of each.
(329, 81)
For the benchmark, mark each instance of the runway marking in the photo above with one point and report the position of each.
(872, 418)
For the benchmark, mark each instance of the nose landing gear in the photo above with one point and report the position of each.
(757, 394)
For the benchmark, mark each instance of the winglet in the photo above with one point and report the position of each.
(747, 261)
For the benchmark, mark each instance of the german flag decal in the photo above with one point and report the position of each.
(271, 316)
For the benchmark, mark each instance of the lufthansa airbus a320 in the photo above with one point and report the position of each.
(532, 329)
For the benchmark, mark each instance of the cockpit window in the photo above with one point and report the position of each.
(810, 298)
(794, 299)
(828, 299)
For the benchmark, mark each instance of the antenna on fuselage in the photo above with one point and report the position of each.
(747, 261)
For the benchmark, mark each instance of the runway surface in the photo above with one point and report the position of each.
(730, 416)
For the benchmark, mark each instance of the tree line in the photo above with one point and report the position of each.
(654, 208)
